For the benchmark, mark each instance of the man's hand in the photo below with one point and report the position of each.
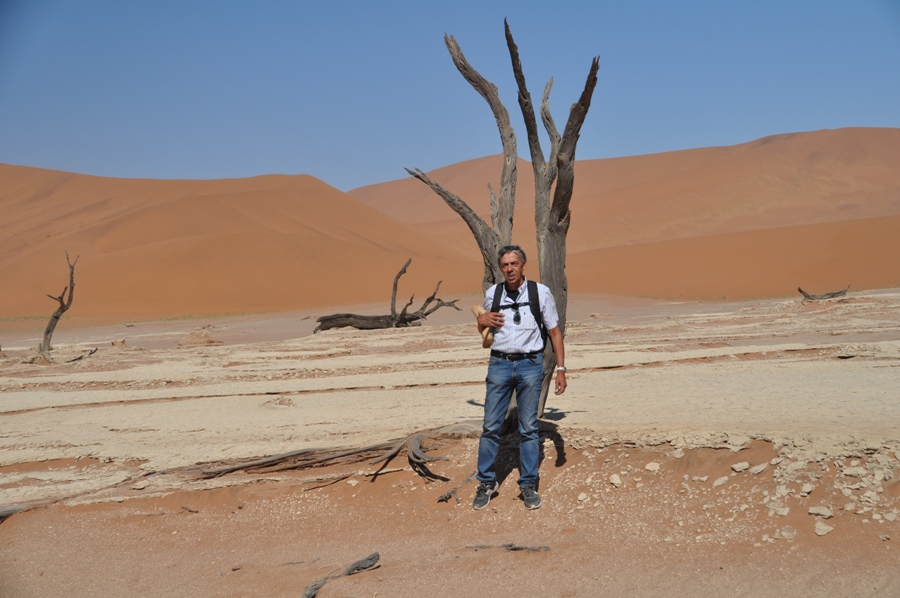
(560, 382)
(490, 319)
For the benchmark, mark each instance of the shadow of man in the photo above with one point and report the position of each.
(508, 455)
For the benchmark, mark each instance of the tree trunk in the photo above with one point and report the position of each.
(551, 217)
(45, 346)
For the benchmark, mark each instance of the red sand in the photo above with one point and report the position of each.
(765, 263)
(152, 249)
(702, 223)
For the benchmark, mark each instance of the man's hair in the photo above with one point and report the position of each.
(510, 249)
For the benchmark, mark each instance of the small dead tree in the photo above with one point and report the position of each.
(64, 306)
(394, 319)
(551, 214)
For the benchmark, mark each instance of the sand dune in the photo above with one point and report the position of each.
(751, 220)
(783, 180)
(173, 248)
(754, 264)
(702, 223)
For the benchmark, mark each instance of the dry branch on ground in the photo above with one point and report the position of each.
(831, 295)
(392, 320)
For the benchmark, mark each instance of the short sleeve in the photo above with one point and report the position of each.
(548, 307)
(488, 298)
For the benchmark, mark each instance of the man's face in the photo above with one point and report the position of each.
(513, 269)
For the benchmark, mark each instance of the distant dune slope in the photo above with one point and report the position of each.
(783, 180)
(153, 248)
(817, 209)
(754, 264)
(754, 218)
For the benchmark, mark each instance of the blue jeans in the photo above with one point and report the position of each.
(525, 377)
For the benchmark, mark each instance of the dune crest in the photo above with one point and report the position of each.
(152, 249)
(751, 220)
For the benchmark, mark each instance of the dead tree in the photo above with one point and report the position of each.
(394, 319)
(64, 306)
(552, 215)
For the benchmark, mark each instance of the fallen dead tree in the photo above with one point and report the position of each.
(832, 295)
(383, 451)
(392, 320)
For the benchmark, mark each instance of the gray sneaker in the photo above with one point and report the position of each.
(483, 495)
(530, 496)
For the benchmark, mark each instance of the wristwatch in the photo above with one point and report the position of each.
(561, 368)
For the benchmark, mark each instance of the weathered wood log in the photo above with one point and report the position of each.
(831, 295)
(393, 320)
(45, 347)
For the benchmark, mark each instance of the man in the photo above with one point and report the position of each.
(517, 363)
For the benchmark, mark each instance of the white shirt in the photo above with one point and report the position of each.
(524, 337)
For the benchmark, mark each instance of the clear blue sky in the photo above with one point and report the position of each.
(351, 92)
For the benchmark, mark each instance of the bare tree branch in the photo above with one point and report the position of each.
(534, 143)
(396, 280)
(485, 236)
(393, 320)
(565, 159)
(550, 125)
(508, 175)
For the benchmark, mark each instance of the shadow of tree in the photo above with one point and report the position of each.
(508, 456)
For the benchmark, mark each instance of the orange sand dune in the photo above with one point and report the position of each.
(783, 180)
(153, 248)
(765, 263)
(702, 223)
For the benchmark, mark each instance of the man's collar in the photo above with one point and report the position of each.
(522, 286)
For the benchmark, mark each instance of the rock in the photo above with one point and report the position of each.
(758, 469)
(806, 489)
(140, 485)
(704, 478)
(823, 512)
(353, 482)
(849, 506)
(720, 481)
(652, 466)
(679, 453)
(742, 466)
(822, 528)
(884, 537)
(737, 442)
(855, 472)
(615, 480)
(198, 338)
(118, 342)
(582, 497)
(788, 532)
(794, 467)
(869, 497)
(776, 460)
(782, 511)
(890, 517)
